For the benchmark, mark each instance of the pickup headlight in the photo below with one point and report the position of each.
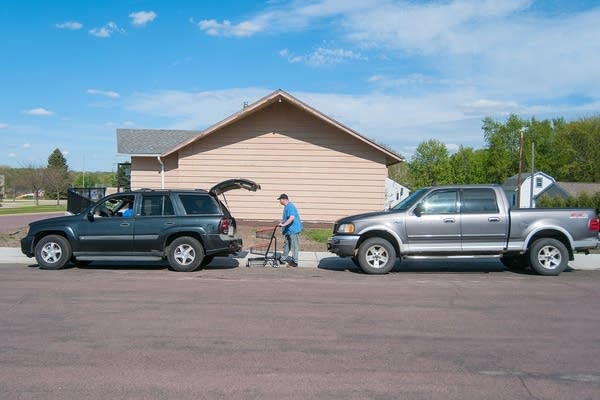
(345, 228)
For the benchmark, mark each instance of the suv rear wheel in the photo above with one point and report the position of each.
(185, 254)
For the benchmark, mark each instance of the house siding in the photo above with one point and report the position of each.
(326, 172)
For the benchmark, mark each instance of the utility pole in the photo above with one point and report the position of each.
(520, 169)
(532, 172)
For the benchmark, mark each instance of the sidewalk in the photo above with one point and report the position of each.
(13, 255)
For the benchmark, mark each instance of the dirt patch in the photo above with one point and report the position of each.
(12, 238)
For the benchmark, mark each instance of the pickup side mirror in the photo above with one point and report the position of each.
(90, 216)
(418, 211)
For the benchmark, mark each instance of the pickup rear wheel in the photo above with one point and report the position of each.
(548, 256)
(376, 256)
(52, 252)
(185, 254)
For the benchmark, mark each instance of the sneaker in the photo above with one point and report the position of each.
(292, 263)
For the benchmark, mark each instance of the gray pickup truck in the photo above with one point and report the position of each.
(465, 221)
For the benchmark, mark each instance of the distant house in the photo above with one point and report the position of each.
(544, 185)
(327, 169)
(394, 193)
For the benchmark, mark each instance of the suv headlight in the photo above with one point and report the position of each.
(345, 228)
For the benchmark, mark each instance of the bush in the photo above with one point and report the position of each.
(582, 201)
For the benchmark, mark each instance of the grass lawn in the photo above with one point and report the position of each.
(32, 209)
(319, 235)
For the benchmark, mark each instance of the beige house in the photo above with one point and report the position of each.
(327, 169)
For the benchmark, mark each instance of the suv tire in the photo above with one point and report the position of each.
(185, 254)
(52, 252)
(376, 256)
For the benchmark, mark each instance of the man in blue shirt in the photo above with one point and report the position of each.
(291, 226)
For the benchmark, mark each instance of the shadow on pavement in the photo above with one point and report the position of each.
(422, 266)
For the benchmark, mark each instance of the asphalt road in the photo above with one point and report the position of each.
(17, 221)
(110, 332)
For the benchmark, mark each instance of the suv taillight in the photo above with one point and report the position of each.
(594, 224)
(224, 226)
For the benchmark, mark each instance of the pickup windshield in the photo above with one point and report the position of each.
(409, 201)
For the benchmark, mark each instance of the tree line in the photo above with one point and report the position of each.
(564, 150)
(55, 178)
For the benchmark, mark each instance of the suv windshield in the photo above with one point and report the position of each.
(409, 201)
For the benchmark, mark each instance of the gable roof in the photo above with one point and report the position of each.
(553, 190)
(150, 142)
(511, 183)
(279, 96)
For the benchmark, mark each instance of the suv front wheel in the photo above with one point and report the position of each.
(185, 254)
(52, 252)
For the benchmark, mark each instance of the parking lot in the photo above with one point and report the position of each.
(144, 332)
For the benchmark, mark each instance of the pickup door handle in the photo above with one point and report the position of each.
(124, 224)
(169, 223)
(494, 219)
(449, 220)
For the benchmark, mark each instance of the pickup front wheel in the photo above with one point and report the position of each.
(376, 256)
(548, 256)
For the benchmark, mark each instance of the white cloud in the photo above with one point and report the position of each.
(70, 25)
(107, 30)
(12, 155)
(105, 93)
(226, 28)
(3, 126)
(322, 57)
(38, 112)
(26, 145)
(141, 18)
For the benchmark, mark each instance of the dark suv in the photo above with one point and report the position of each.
(187, 227)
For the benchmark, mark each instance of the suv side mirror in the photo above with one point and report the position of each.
(90, 216)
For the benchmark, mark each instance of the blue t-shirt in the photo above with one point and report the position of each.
(296, 226)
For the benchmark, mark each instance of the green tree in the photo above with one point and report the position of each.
(468, 166)
(430, 165)
(575, 149)
(503, 147)
(57, 174)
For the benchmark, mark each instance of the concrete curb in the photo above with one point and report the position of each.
(307, 259)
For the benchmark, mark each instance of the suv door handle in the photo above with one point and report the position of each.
(169, 223)
(493, 219)
(449, 220)
(124, 224)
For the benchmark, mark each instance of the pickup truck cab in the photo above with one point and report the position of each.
(465, 221)
(186, 227)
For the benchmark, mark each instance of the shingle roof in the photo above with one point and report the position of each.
(578, 188)
(150, 141)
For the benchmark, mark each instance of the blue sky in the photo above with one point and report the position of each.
(399, 72)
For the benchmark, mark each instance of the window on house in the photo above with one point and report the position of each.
(538, 182)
